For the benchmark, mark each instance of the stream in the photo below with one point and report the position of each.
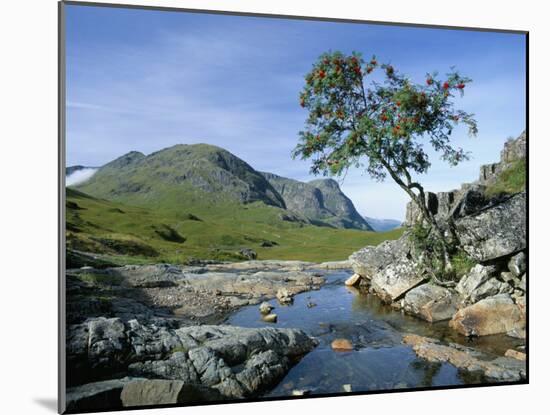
(379, 360)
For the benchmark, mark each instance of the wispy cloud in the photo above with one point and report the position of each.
(80, 176)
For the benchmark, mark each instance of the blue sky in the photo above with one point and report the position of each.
(145, 80)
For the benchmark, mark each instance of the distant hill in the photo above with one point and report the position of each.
(201, 176)
(383, 225)
(320, 201)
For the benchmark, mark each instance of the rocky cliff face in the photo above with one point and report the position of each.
(320, 201)
(489, 298)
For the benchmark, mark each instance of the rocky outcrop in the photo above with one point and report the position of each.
(495, 232)
(489, 230)
(492, 315)
(236, 362)
(502, 369)
(514, 149)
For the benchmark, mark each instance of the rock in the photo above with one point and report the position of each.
(396, 279)
(503, 369)
(475, 285)
(248, 253)
(413, 213)
(353, 280)
(265, 308)
(515, 354)
(284, 296)
(469, 201)
(523, 283)
(514, 149)
(346, 387)
(497, 231)
(333, 265)
(311, 304)
(237, 362)
(341, 345)
(147, 276)
(430, 302)
(371, 259)
(517, 333)
(163, 392)
(96, 396)
(270, 318)
(493, 315)
(517, 264)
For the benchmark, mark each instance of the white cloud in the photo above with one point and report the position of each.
(80, 176)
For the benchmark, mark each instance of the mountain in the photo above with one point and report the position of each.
(320, 201)
(202, 176)
(383, 225)
(179, 174)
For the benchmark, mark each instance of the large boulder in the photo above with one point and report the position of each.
(371, 259)
(162, 392)
(396, 279)
(495, 232)
(96, 396)
(493, 315)
(430, 302)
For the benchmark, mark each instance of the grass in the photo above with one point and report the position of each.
(123, 233)
(462, 263)
(510, 181)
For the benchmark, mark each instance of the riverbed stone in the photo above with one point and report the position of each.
(270, 318)
(284, 296)
(355, 279)
(430, 302)
(493, 315)
(341, 345)
(265, 308)
(504, 369)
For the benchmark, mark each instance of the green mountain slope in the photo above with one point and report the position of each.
(179, 177)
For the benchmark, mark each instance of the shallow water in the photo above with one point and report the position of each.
(379, 359)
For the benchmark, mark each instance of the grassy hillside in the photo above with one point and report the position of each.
(125, 234)
(511, 180)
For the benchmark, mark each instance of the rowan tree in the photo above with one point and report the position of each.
(383, 126)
